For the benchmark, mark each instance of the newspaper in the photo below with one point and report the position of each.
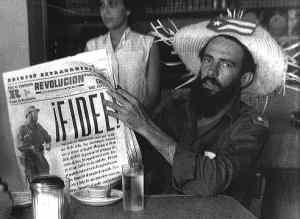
(60, 125)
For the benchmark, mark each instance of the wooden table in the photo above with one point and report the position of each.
(161, 206)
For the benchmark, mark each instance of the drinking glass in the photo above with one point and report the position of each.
(133, 187)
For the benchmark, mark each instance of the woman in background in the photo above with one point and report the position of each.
(135, 64)
(135, 58)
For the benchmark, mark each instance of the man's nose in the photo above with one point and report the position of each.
(213, 70)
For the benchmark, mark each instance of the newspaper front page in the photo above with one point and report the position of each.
(60, 125)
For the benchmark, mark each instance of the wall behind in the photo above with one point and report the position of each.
(14, 54)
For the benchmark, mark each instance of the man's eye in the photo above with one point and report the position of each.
(226, 65)
(206, 59)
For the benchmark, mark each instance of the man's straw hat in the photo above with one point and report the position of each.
(271, 62)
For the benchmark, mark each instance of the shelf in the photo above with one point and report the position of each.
(84, 11)
(183, 13)
(269, 3)
(92, 17)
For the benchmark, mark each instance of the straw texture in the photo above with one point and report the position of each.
(270, 60)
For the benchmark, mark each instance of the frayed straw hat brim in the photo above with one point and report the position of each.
(271, 63)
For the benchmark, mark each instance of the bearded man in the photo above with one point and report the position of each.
(210, 138)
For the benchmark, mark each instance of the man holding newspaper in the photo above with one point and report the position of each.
(209, 137)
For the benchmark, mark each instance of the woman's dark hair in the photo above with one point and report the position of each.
(248, 64)
(135, 7)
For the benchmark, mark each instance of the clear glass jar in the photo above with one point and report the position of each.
(47, 197)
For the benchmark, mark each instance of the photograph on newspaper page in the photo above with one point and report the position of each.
(60, 125)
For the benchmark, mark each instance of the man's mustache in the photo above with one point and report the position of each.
(212, 81)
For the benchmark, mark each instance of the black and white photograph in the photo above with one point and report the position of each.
(150, 109)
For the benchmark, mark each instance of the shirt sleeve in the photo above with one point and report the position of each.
(91, 45)
(46, 136)
(194, 173)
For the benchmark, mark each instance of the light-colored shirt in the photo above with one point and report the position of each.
(129, 60)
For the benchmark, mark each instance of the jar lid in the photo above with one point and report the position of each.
(47, 181)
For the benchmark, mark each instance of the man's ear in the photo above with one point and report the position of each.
(128, 13)
(246, 79)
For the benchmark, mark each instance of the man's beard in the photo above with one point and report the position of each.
(207, 104)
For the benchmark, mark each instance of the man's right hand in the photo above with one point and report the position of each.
(130, 111)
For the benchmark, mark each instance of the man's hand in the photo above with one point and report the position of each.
(129, 110)
(5, 201)
(102, 81)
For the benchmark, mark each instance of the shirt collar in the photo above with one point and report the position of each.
(125, 34)
(123, 38)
